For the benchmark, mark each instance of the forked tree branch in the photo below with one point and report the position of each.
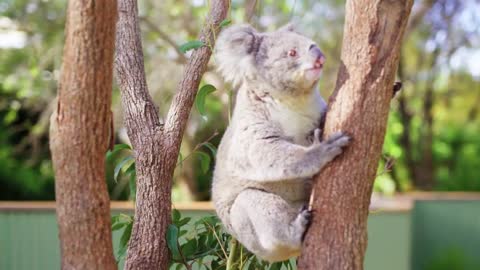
(196, 67)
(164, 36)
(156, 147)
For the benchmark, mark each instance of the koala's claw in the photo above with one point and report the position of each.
(334, 146)
(339, 139)
(305, 216)
(317, 136)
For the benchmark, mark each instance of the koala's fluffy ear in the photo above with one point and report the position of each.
(234, 52)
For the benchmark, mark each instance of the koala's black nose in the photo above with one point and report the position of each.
(318, 55)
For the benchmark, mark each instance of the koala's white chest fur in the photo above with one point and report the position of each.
(298, 116)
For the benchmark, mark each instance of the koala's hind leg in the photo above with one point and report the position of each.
(267, 225)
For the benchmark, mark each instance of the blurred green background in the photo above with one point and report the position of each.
(433, 132)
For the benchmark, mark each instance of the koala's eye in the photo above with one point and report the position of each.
(292, 53)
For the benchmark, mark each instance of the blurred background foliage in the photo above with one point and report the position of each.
(432, 141)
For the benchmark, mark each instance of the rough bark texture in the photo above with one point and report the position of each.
(359, 106)
(156, 145)
(79, 132)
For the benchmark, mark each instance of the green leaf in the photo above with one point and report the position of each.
(211, 147)
(291, 264)
(252, 264)
(124, 240)
(204, 161)
(172, 241)
(121, 164)
(202, 94)
(132, 186)
(117, 148)
(202, 242)
(189, 248)
(180, 160)
(182, 233)
(215, 265)
(276, 266)
(191, 45)
(126, 234)
(183, 221)
(114, 219)
(175, 216)
(121, 253)
(130, 169)
(118, 226)
(175, 266)
(125, 218)
(211, 220)
(225, 23)
(221, 267)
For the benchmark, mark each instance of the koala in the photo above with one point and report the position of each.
(272, 147)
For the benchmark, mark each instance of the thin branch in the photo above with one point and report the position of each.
(250, 6)
(218, 239)
(215, 134)
(197, 65)
(181, 57)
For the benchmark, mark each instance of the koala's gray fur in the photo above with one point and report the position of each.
(272, 147)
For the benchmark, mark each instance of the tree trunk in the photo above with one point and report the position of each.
(156, 145)
(79, 136)
(337, 238)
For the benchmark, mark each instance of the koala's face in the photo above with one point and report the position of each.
(284, 59)
(289, 60)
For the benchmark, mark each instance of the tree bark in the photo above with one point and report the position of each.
(79, 136)
(156, 145)
(373, 32)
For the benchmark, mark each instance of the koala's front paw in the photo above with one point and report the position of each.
(339, 139)
(304, 219)
(333, 146)
(305, 216)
